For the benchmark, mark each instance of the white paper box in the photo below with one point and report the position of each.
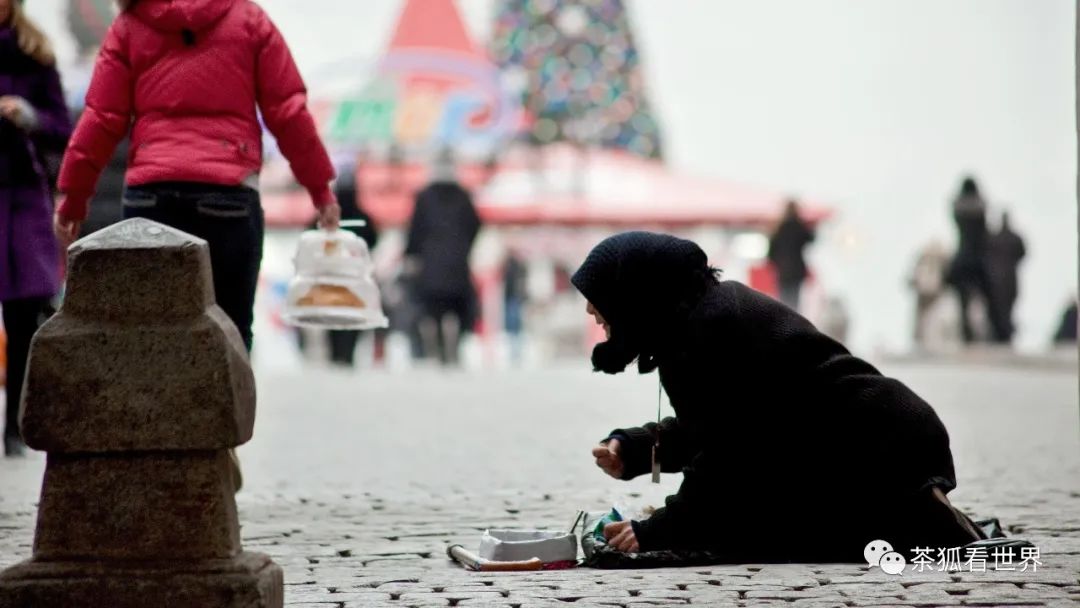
(521, 545)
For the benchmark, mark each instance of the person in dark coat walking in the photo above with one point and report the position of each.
(786, 247)
(441, 234)
(1006, 250)
(343, 341)
(970, 274)
(774, 421)
(34, 121)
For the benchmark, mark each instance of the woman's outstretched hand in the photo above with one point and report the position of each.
(608, 458)
(620, 536)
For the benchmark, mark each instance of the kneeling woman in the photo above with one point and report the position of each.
(791, 448)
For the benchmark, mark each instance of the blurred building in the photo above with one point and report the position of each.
(556, 140)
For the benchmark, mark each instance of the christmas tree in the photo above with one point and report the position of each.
(578, 72)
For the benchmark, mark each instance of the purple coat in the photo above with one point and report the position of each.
(29, 255)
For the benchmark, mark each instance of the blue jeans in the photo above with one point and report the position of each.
(512, 315)
(229, 218)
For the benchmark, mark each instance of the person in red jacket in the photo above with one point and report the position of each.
(187, 78)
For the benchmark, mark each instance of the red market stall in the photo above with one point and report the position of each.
(596, 188)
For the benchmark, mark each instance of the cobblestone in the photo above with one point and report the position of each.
(357, 482)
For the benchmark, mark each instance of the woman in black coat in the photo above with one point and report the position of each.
(786, 247)
(444, 227)
(791, 448)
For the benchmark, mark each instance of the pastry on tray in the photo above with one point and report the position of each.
(331, 295)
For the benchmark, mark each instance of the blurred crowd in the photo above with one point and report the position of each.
(970, 294)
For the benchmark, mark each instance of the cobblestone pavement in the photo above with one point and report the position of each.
(357, 482)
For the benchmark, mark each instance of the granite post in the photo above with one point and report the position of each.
(137, 389)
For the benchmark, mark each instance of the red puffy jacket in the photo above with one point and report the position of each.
(186, 76)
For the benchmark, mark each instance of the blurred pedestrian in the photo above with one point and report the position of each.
(928, 281)
(441, 234)
(1006, 250)
(786, 252)
(34, 122)
(515, 275)
(1067, 328)
(190, 78)
(754, 383)
(343, 341)
(969, 273)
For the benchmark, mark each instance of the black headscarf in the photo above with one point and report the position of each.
(644, 285)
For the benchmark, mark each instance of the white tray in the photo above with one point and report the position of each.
(334, 317)
(519, 545)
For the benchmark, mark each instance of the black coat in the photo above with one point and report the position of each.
(515, 276)
(969, 213)
(1006, 250)
(345, 190)
(441, 234)
(786, 249)
(791, 448)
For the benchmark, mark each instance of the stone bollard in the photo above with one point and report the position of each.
(137, 389)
